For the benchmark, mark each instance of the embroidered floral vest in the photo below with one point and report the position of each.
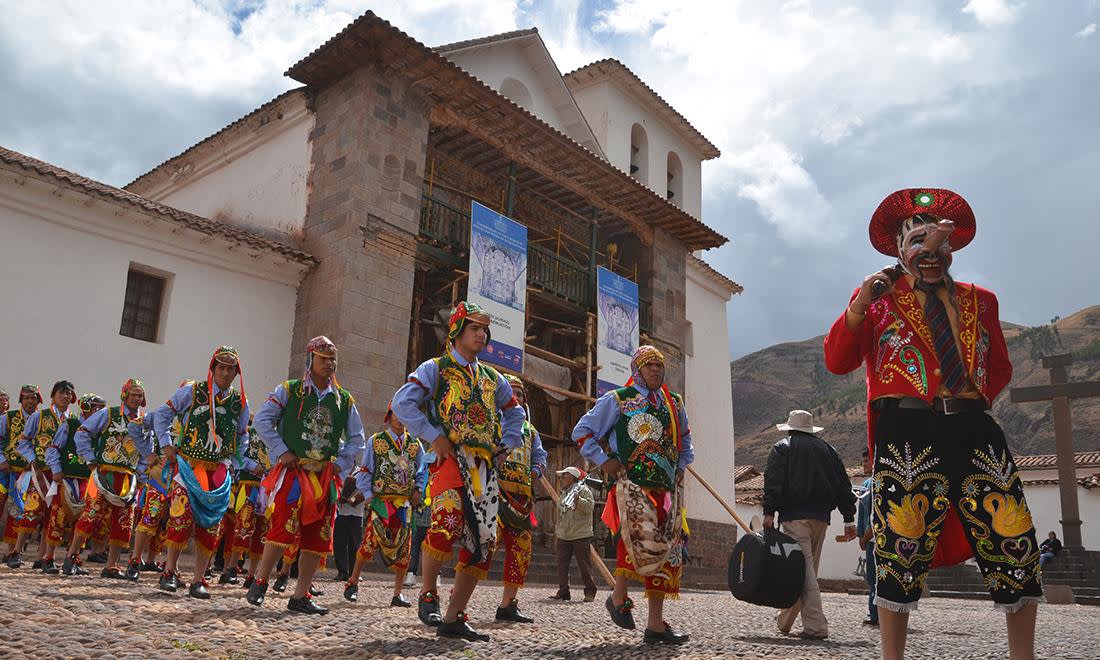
(465, 406)
(17, 419)
(194, 439)
(515, 470)
(646, 439)
(257, 451)
(113, 445)
(394, 466)
(312, 428)
(72, 465)
(48, 423)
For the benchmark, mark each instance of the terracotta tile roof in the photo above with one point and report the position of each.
(733, 287)
(75, 181)
(1090, 482)
(1048, 461)
(751, 484)
(743, 472)
(612, 67)
(443, 82)
(750, 498)
(228, 128)
(481, 41)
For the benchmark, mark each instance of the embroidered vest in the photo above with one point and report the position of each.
(465, 406)
(17, 419)
(394, 467)
(515, 470)
(257, 451)
(312, 429)
(72, 465)
(113, 445)
(646, 440)
(194, 438)
(48, 423)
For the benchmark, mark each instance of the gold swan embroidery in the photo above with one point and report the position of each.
(1010, 518)
(907, 518)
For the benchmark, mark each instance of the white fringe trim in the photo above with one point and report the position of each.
(1012, 608)
(900, 608)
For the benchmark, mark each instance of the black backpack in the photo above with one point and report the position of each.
(767, 569)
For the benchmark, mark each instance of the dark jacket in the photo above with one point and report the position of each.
(1051, 545)
(805, 479)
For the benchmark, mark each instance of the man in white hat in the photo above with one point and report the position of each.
(574, 531)
(804, 481)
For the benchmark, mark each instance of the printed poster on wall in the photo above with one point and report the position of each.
(617, 322)
(498, 282)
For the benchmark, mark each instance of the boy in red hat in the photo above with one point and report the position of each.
(936, 359)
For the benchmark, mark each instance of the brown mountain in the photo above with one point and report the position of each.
(769, 383)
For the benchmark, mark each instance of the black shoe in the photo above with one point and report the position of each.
(305, 605)
(561, 595)
(427, 609)
(37, 565)
(13, 560)
(50, 568)
(870, 622)
(248, 581)
(256, 593)
(72, 566)
(341, 577)
(229, 576)
(621, 614)
(169, 581)
(97, 558)
(666, 637)
(208, 574)
(512, 613)
(589, 596)
(400, 601)
(151, 567)
(351, 592)
(113, 573)
(133, 571)
(280, 583)
(314, 591)
(198, 590)
(460, 629)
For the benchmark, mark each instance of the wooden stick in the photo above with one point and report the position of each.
(596, 558)
(727, 507)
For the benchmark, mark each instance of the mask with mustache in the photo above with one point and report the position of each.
(918, 254)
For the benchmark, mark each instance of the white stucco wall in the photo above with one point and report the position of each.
(708, 396)
(1046, 511)
(64, 264)
(612, 112)
(526, 60)
(253, 178)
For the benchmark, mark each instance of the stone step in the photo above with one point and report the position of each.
(1087, 600)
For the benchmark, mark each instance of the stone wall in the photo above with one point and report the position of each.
(711, 543)
(362, 217)
(664, 283)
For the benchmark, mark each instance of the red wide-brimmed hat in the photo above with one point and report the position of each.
(903, 204)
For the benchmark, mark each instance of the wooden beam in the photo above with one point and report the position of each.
(559, 360)
(1049, 392)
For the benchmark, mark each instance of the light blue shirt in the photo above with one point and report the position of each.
(180, 405)
(601, 420)
(268, 423)
(364, 479)
(409, 401)
(25, 447)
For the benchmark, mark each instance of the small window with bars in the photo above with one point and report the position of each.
(142, 307)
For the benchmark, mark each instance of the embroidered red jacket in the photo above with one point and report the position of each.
(896, 345)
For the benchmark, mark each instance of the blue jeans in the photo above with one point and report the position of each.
(1045, 558)
(869, 565)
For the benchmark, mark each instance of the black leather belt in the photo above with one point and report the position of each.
(938, 405)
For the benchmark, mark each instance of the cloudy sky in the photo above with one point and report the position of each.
(820, 108)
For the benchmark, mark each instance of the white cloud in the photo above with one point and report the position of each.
(992, 13)
(1086, 31)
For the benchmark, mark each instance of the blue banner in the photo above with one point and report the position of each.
(498, 282)
(617, 317)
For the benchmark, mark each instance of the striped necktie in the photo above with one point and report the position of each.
(935, 314)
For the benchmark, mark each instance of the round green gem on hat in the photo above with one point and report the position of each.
(924, 199)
